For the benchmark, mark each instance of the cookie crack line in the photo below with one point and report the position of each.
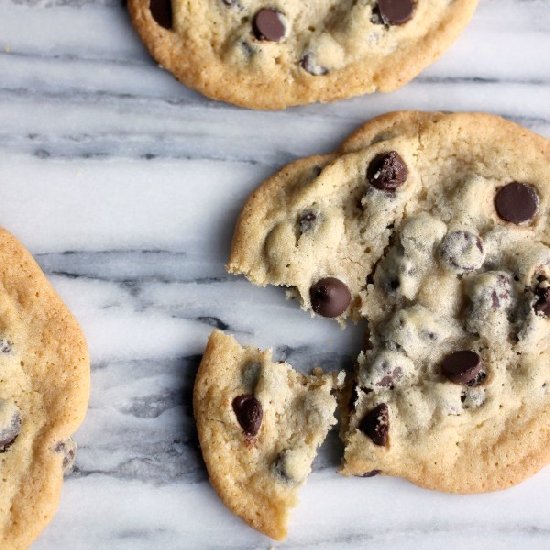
(432, 229)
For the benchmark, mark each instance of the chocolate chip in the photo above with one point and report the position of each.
(376, 424)
(316, 171)
(279, 467)
(387, 171)
(307, 220)
(542, 305)
(395, 12)
(372, 473)
(387, 370)
(462, 367)
(269, 25)
(161, 10)
(516, 202)
(291, 465)
(5, 346)
(329, 297)
(249, 413)
(247, 49)
(307, 62)
(462, 251)
(478, 380)
(10, 432)
(68, 449)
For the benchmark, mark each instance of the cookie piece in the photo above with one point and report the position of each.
(270, 246)
(451, 390)
(289, 52)
(259, 424)
(44, 390)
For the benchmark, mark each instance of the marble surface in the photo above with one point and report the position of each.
(126, 185)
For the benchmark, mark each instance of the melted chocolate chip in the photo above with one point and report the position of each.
(516, 202)
(462, 367)
(479, 379)
(269, 25)
(307, 220)
(316, 170)
(68, 449)
(376, 424)
(542, 305)
(329, 297)
(387, 171)
(500, 296)
(307, 62)
(5, 346)
(247, 49)
(249, 413)
(372, 473)
(161, 10)
(462, 251)
(9, 433)
(279, 466)
(395, 12)
(389, 379)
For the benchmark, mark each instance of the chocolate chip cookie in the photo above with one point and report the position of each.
(259, 424)
(433, 228)
(277, 54)
(44, 385)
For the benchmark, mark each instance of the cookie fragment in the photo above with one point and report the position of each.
(258, 479)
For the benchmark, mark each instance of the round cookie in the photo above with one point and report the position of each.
(44, 386)
(438, 226)
(274, 55)
(259, 424)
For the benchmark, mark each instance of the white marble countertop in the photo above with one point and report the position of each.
(126, 185)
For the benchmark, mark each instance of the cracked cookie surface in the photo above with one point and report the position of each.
(277, 54)
(44, 386)
(259, 424)
(437, 225)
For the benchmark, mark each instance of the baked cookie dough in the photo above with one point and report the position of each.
(44, 386)
(259, 424)
(434, 228)
(277, 54)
